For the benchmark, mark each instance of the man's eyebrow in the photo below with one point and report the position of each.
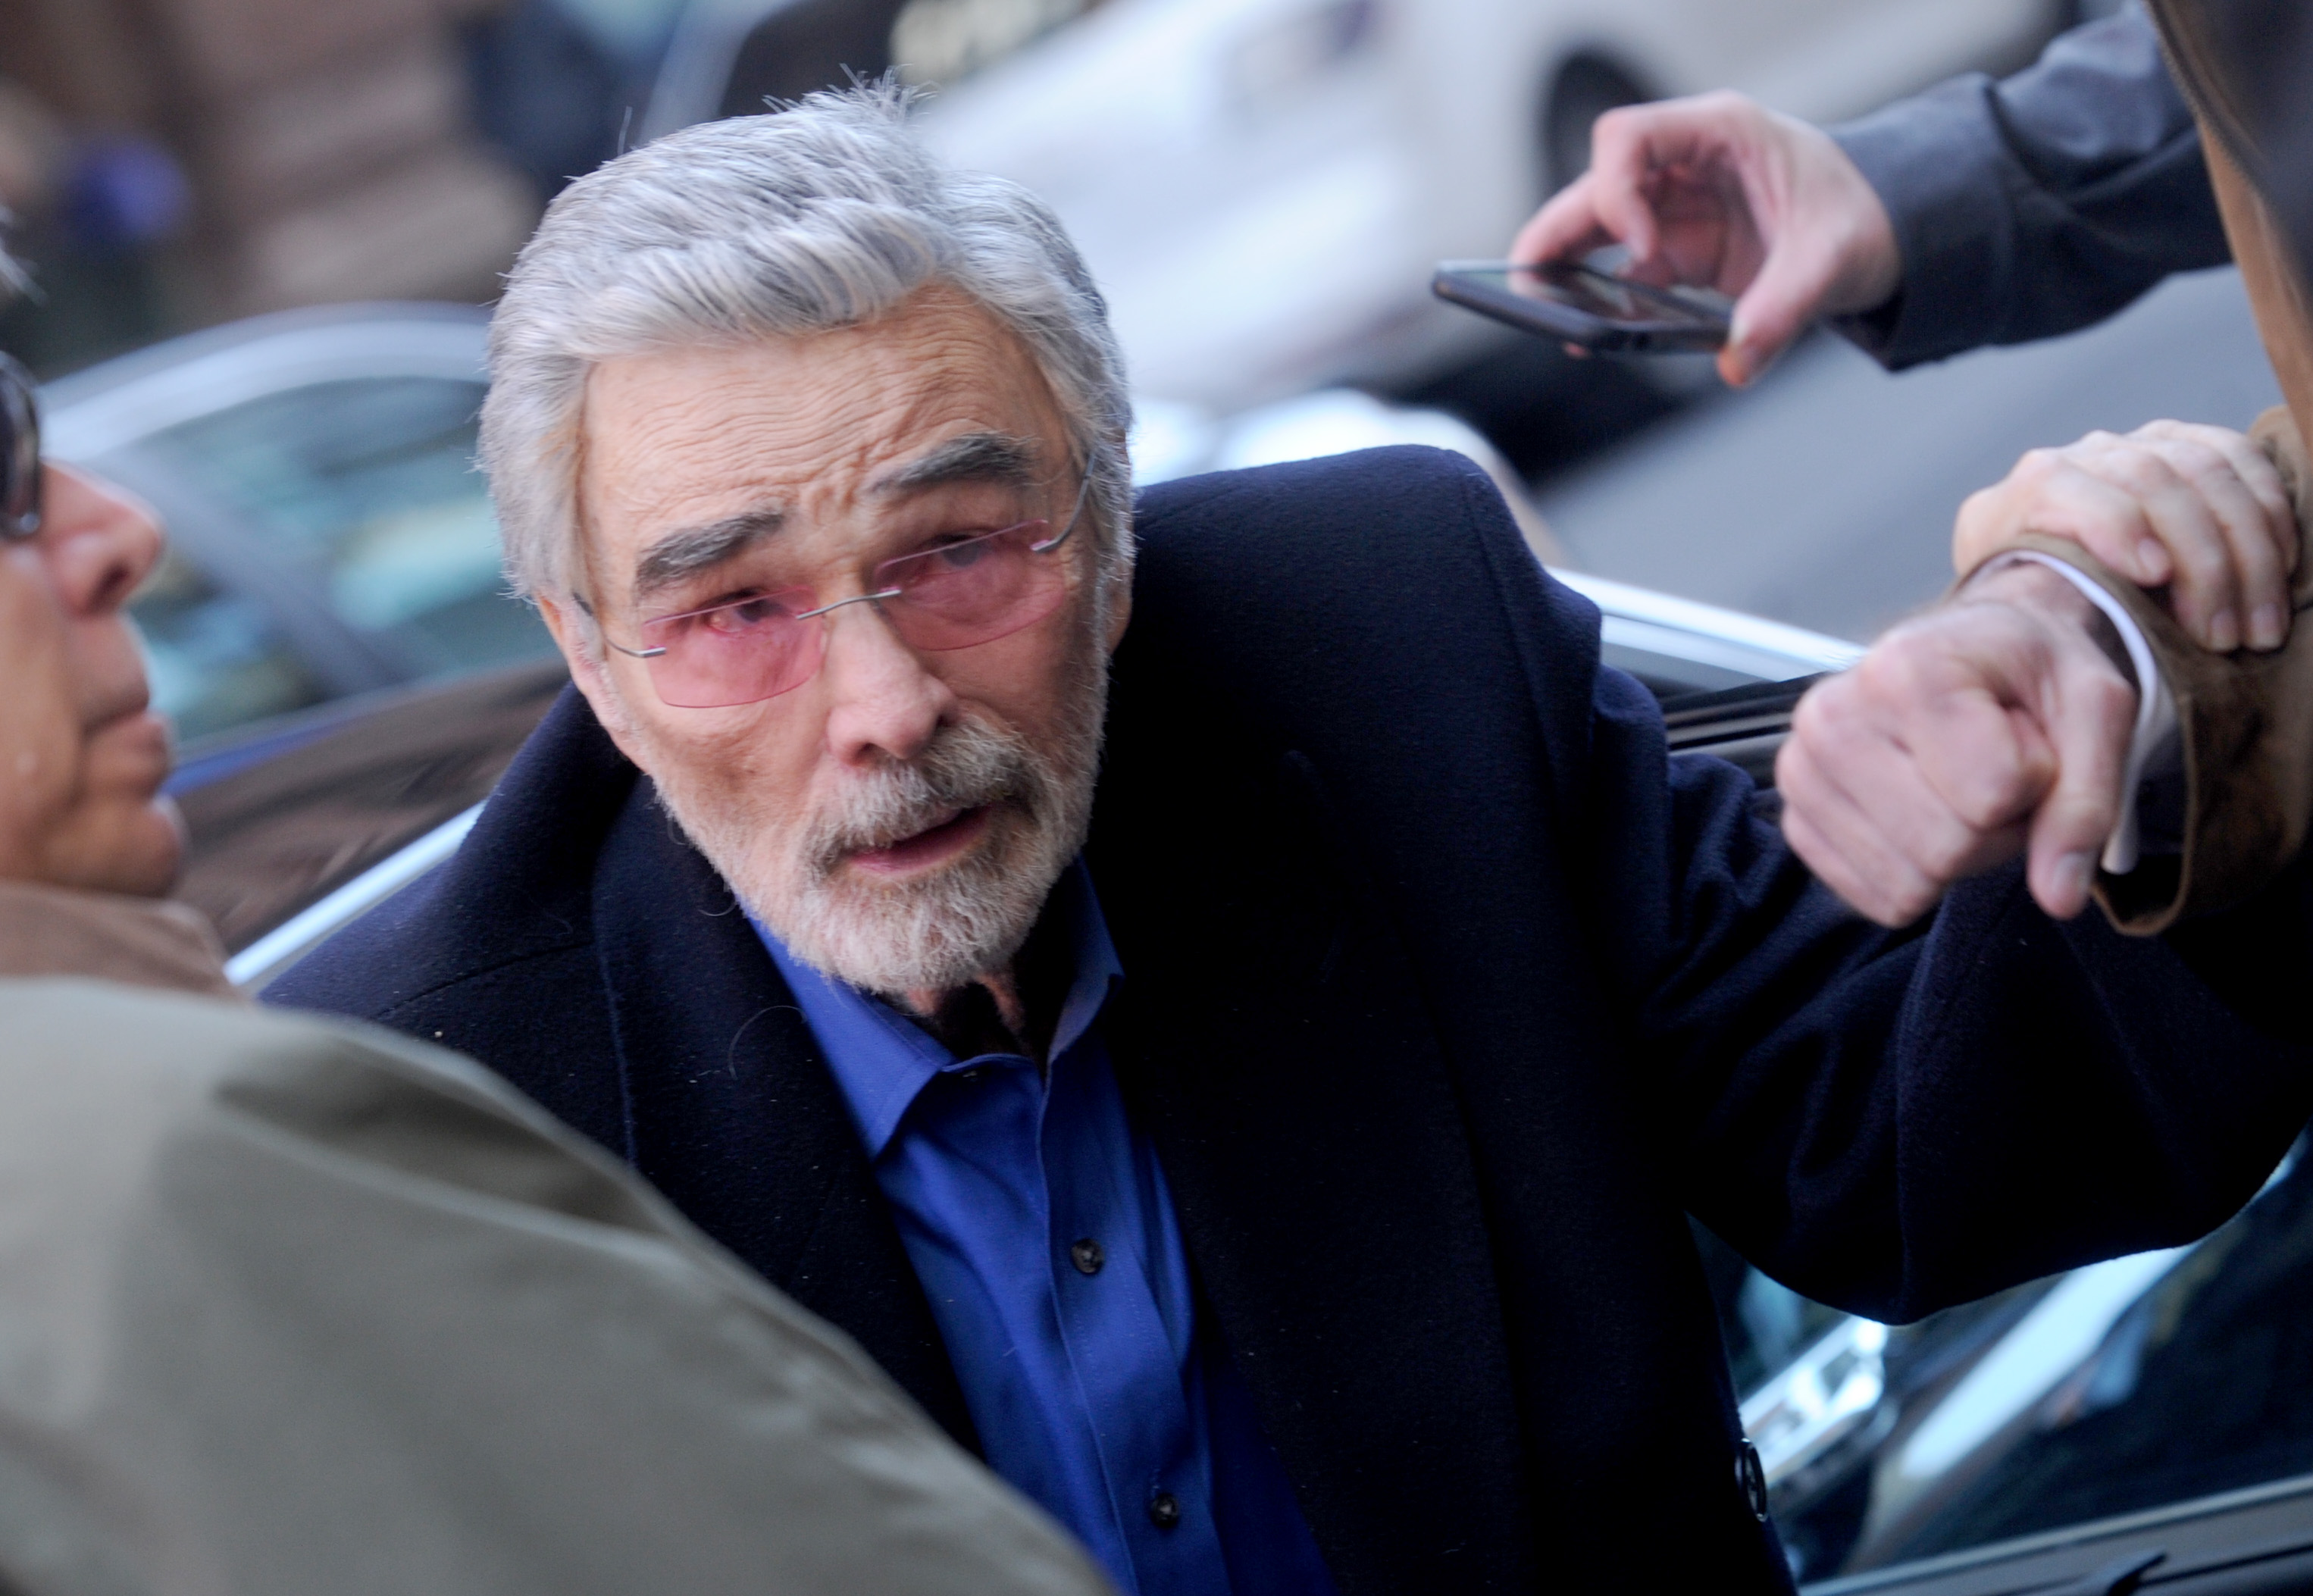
(693, 550)
(974, 457)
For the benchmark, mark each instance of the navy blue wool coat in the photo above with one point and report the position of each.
(1448, 994)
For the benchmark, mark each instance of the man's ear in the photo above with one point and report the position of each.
(573, 632)
(569, 631)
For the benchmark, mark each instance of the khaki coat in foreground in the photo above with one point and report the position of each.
(289, 1306)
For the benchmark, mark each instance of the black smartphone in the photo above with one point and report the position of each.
(1578, 304)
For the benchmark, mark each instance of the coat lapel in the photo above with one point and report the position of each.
(731, 1111)
(1337, 1235)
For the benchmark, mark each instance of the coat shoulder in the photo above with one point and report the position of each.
(508, 897)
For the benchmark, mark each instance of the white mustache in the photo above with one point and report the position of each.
(969, 765)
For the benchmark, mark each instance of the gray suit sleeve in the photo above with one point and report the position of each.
(2037, 203)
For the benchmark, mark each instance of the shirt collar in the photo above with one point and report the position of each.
(882, 1059)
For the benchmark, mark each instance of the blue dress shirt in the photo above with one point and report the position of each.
(1039, 1223)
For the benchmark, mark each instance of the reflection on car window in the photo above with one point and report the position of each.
(2124, 1386)
(367, 488)
(216, 659)
(1766, 1325)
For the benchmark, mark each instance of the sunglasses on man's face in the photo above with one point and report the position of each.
(972, 588)
(19, 454)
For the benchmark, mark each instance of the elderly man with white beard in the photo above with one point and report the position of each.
(1222, 996)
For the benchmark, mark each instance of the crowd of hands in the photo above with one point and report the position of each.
(1993, 724)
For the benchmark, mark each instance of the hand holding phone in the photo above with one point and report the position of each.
(1581, 305)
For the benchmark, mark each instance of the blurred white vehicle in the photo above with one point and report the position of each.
(1262, 185)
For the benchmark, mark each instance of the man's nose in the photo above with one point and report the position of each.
(882, 704)
(100, 542)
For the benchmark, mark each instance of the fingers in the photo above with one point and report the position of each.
(1794, 280)
(1566, 229)
(1642, 155)
(1906, 774)
(1992, 726)
(2056, 493)
(1651, 165)
(2197, 509)
(2086, 713)
(1837, 774)
(2254, 518)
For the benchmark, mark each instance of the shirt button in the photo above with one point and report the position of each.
(1088, 1257)
(1751, 1479)
(1164, 1512)
(972, 1076)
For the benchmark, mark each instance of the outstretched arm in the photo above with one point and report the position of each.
(2030, 206)
(1979, 212)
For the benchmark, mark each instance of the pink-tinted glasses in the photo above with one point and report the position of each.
(974, 590)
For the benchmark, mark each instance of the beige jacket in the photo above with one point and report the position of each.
(2247, 718)
(295, 1307)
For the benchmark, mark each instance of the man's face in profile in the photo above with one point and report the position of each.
(899, 812)
(82, 754)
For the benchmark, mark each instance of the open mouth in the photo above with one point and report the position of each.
(935, 845)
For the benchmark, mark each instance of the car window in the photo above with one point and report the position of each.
(944, 41)
(216, 659)
(2119, 1387)
(365, 488)
(1766, 1325)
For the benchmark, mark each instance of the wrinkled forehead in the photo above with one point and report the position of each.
(811, 429)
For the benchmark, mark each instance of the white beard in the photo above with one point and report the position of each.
(934, 933)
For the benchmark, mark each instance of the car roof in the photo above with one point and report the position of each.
(109, 407)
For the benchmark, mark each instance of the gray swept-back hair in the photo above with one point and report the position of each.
(825, 214)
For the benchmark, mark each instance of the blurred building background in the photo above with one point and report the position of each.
(176, 162)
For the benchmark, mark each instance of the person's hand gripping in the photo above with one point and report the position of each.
(2196, 510)
(1717, 191)
(1993, 726)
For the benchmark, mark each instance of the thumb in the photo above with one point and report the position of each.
(2089, 729)
(1780, 303)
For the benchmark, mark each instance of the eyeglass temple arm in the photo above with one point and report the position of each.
(1067, 532)
(632, 654)
(1084, 492)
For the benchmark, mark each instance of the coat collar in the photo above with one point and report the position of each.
(1338, 1236)
(50, 930)
(729, 1109)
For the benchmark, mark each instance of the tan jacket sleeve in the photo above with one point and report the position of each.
(2247, 723)
(288, 1307)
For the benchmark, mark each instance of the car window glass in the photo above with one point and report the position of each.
(2120, 1387)
(1765, 1324)
(216, 659)
(366, 487)
(944, 41)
